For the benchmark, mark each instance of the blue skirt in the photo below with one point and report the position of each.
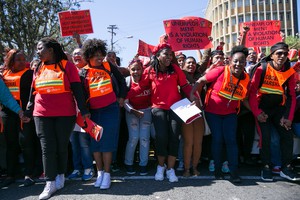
(109, 118)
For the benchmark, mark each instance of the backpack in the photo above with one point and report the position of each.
(262, 63)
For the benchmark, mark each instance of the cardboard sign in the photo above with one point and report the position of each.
(188, 33)
(90, 127)
(72, 21)
(144, 49)
(262, 33)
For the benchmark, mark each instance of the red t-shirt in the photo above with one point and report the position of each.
(164, 87)
(142, 100)
(218, 104)
(63, 104)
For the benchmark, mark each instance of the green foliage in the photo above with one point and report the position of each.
(24, 22)
(293, 42)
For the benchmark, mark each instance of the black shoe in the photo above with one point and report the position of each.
(219, 175)
(143, 170)
(115, 167)
(250, 162)
(266, 174)
(289, 174)
(7, 182)
(28, 182)
(129, 169)
(234, 177)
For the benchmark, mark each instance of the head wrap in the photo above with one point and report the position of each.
(160, 46)
(279, 45)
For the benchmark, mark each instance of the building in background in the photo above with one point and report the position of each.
(226, 15)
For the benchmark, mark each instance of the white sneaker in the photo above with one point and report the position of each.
(106, 181)
(171, 175)
(60, 181)
(99, 179)
(49, 189)
(159, 176)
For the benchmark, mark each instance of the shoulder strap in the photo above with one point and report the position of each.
(263, 73)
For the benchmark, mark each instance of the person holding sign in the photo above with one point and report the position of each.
(272, 99)
(55, 84)
(163, 78)
(97, 78)
(227, 89)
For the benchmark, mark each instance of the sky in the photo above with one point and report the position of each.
(141, 19)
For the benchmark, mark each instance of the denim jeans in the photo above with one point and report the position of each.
(139, 131)
(82, 156)
(285, 137)
(275, 147)
(296, 128)
(223, 130)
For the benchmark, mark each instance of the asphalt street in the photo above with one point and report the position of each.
(137, 187)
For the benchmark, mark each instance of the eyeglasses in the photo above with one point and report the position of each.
(280, 53)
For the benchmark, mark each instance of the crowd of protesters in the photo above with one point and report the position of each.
(236, 93)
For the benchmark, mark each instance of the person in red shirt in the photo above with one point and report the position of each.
(273, 103)
(139, 119)
(55, 84)
(164, 78)
(228, 87)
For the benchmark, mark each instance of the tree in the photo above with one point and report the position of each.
(24, 22)
(293, 42)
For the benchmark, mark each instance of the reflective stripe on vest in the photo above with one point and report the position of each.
(230, 82)
(99, 81)
(274, 80)
(50, 79)
(12, 81)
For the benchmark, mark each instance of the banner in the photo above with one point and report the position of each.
(144, 49)
(188, 33)
(78, 21)
(262, 33)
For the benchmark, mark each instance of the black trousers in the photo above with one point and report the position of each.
(54, 134)
(167, 129)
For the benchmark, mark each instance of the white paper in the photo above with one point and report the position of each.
(186, 111)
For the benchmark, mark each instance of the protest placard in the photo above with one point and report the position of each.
(72, 21)
(187, 111)
(262, 33)
(144, 49)
(188, 33)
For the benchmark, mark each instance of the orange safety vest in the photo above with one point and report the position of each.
(50, 79)
(12, 81)
(230, 82)
(99, 81)
(274, 80)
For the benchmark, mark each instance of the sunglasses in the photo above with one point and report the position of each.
(280, 53)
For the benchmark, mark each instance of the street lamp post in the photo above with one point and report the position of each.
(114, 42)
